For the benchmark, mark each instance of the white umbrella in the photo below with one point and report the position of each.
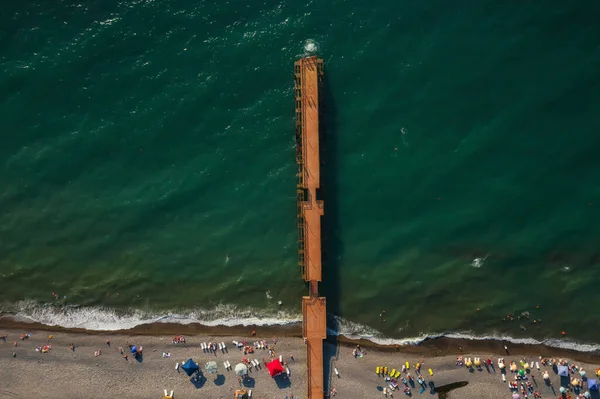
(562, 390)
(211, 367)
(241, 369)
(546, 376)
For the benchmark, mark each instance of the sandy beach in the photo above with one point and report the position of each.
(78, 373)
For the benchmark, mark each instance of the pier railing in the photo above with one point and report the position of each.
(307, 74)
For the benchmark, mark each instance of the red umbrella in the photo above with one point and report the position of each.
(275, 367)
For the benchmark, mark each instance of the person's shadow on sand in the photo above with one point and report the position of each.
(432, 388)
(412, 383)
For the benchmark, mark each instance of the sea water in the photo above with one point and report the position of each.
(148, 171)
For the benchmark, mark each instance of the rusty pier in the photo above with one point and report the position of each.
(308, 73)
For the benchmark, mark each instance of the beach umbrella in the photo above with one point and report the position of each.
(469, 363)
(211, 367)
(133, 349)
(516, 396)
(546, 376)
(521, 372)
(241, 369)
(592, 384)
(575, 382)
(583, 373)
(563, 371)
(477, 362)
(513, 367)
(275, 367)
(190, 367)
(526, 366)
(587, 394)
(562, 390)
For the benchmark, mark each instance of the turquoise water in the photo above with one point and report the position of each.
(148, 150)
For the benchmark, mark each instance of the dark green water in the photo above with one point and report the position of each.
(148, 150)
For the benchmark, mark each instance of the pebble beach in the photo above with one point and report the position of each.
(63, 372)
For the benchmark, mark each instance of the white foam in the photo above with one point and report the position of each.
(310, 46)
(478, 262)
(107, 319)
(353, 330)
(101, 318)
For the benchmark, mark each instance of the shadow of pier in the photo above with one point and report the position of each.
(331, 243)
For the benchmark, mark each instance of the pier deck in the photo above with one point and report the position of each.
(307, 75)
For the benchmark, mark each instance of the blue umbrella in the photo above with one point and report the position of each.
(563, 371)
(190, 367)
(592, 384)
(133, 349)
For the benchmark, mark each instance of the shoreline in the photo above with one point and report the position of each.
(436, 347)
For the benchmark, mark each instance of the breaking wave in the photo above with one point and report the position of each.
(108, 319)
(353, 330)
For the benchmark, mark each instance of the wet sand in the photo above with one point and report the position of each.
(433, 347)
(63, 372)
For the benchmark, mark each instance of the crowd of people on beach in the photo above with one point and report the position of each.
(393, 377)
(518, 375)
(523, 380)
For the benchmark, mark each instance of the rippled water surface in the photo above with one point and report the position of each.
(148, 163)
